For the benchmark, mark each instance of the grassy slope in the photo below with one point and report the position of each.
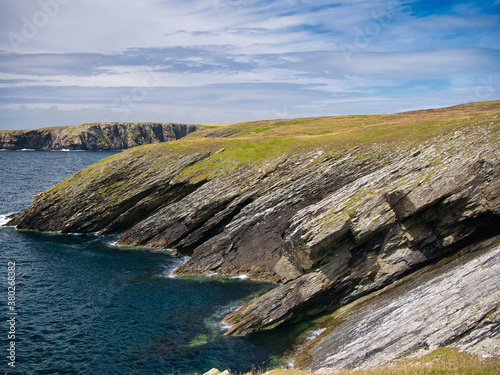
(441, 362)
(444, 361)
(255, 143)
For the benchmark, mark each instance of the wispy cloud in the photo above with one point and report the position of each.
(64, 61)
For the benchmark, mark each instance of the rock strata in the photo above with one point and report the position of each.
(98, 136)
(385, 224)
(455, 304)
(330, 222)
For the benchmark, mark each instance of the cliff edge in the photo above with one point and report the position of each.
(93, 137)
(331, 209)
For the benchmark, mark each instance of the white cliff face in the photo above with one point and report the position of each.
(454, 304)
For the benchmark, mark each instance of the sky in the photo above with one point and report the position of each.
(67, 62)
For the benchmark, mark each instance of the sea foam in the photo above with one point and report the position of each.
(4, 219)
(173, 265)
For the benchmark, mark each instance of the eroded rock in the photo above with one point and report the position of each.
(98, 136)
(455, 303)
(381, 226)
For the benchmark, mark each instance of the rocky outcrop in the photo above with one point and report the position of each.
(419, 208)
(98, 136)
(454, 303)
(329, 221)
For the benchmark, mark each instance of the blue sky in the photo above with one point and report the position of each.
(65, 62)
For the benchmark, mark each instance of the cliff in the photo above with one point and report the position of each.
(331, 209)
(98, 136)
(451, 304)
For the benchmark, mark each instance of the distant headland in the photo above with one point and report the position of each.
(109, 136)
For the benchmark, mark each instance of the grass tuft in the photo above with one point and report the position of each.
(444, 361)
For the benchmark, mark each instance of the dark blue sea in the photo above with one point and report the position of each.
(84, 306)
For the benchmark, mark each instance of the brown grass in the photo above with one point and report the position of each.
(444, 361)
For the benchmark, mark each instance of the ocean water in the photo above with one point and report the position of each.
(84, 306)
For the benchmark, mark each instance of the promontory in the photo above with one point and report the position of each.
(384, 229)
(96, 136)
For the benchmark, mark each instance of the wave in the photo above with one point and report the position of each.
(170, 268)
(311, 335)
(131, 247)
(239, 277)
(4, 218)
(67, 150)
(120, 246)
(114, 244)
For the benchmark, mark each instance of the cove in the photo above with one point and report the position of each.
(85, 306)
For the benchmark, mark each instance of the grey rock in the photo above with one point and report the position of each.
(98, 136)
(455, 304)
(385, 224)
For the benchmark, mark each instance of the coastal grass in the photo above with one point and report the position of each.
(264, 144)
(443, 361)
(257, 141)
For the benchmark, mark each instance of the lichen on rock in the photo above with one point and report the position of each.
(328, 209)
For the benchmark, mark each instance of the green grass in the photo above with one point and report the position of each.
(262, 144)
(444, 361)
(264, 140)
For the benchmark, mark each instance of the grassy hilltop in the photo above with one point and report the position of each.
(255, 141)
(344, 214)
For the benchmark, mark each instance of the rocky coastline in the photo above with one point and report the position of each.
(332, 210)
(102, 136)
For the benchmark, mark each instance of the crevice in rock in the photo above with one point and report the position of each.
(133, 213)
(478, 323)
(210, 228)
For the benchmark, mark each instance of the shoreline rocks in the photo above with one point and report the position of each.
(94, 137)
(327, 225)
(452, 304)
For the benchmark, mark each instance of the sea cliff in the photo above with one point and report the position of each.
(95, 136)
(330, 209)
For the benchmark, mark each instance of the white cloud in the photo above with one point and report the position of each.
(309, 57)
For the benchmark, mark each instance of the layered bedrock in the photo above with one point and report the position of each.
(329, 209)
(96, 136)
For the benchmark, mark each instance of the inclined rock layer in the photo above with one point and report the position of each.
(456, 304)
(385, 224)
(99, 136)
(329, 225)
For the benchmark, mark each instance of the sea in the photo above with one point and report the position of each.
(78, 304)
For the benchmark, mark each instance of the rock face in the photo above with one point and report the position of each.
(387, 223)
(455, 304)
(329, 223)
(99, 136)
